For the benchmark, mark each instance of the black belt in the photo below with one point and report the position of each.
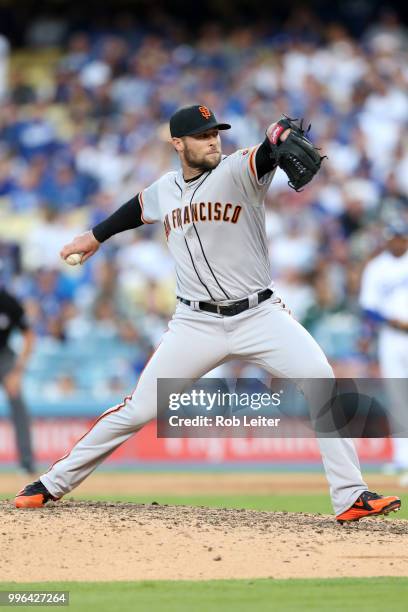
(233, 309)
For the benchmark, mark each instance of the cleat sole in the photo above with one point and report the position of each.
(29, 501)
(392, 507)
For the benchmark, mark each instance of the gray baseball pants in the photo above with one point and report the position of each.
(195, 343)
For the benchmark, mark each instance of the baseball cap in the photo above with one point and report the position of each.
(191, 120)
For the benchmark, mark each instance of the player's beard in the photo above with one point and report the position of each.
(201, 163)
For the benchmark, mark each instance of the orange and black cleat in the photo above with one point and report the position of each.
(34, 495)
(369, 504)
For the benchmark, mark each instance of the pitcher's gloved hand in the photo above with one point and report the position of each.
(294, 153)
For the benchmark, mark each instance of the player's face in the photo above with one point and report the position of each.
(202, 151)
(398, 245)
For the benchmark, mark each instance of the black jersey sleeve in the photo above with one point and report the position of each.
(21, 319)
(128, 216)
(15, 311)
(263, 160)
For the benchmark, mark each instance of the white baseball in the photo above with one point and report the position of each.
(74, 259)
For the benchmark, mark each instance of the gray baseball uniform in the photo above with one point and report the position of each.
(215, 230)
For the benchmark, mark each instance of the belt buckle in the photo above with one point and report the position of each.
(232, 310)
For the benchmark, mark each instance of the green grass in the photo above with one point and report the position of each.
(364, 595)
(313, 503)
(282, 502)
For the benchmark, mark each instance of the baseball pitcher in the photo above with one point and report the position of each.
(213, 217)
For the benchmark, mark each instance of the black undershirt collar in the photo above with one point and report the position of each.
(194, 178)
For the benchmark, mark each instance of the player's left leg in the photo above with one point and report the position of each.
(269, 336)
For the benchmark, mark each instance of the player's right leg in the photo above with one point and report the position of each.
(271, 338)
(194, 344)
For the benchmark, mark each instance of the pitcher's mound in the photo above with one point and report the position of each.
(86, 541)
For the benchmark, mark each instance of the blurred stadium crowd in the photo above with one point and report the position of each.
(83, 127)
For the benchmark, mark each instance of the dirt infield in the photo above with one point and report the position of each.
(87, 541)
(73, 540)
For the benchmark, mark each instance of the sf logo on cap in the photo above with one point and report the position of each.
(205, 112)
